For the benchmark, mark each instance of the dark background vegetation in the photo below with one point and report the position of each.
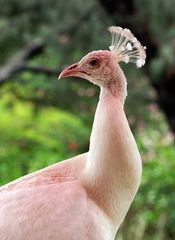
(43, 120)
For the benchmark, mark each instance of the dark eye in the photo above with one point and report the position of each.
(94, 62)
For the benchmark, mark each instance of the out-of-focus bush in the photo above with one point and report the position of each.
(32, 138)
(151, 216)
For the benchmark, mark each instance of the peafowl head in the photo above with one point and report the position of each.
(101, 67)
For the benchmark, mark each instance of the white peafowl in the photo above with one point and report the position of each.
(85, 197)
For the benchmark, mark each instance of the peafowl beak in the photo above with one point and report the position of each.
(72, 70)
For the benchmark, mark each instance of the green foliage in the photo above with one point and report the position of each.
(151, 216)
(33, 138)
(156, 194)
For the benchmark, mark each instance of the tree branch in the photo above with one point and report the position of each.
(18, 62)
(42, 69)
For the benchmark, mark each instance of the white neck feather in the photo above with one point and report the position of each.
(118, 87)
(113, 167)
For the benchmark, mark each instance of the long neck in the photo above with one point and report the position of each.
(113, 167)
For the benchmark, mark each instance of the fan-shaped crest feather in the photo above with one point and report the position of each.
(126, 46)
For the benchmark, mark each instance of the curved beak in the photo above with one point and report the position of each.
(72, 70)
